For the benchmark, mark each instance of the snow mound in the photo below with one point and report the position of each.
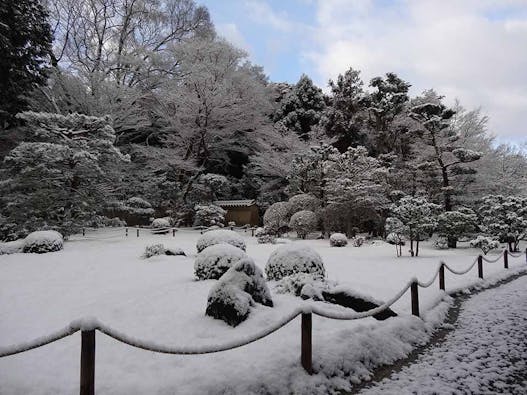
(231, 298)
(215, 260)
(293, 258)
(11, 247)
(218, 236)
(338, 240)
(159, 249)
(305, 285)
(43, 241)
(160, 223)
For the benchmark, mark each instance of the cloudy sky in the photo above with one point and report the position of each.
(471, 50)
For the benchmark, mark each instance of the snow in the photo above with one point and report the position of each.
(484, 354)
(293, 258)
(218, 236)
(338, 240)
(43, 241)
(11, 247)
(160, 223)
(158, 302)
(215, 260)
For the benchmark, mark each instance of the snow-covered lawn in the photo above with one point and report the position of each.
(158, 299)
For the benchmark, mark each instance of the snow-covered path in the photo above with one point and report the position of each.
(485, 353)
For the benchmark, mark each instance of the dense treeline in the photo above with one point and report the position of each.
(119, 99)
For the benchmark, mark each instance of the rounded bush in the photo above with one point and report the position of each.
(291, 259)
(301, 202)
(43, 241)
(160, 223)
(303, 223)
(275, 217)
(218, 236)
(357, 241)
(338, 240)
(214, 261)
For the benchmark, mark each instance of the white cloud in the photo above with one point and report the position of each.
(262, 12)
(231, 33)
(464, 49)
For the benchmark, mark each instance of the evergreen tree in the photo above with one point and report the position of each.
(25, 45)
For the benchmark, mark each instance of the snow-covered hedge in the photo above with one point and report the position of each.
(357, 241)
(43, 241)
(305, 285)
(484, 243)
(304, 201)
(291, 259)
(215, 260)
(11, 247)
(231, 298)
(303, 223)
(441, 243)
(276, 217)
(395, 238)
(160, 223)
(159, 249)
(338, 240)
(209, 215)
(263, 236)
(220, 236)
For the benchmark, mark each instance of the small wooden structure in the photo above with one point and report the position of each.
(242, 212)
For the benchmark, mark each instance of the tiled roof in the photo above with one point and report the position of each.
(235, 203)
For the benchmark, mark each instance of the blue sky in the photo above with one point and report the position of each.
(471, 50)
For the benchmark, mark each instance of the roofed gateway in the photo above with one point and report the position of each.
(242, 212)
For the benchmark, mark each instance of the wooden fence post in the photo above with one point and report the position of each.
(306, 353)
(173, 232)
(480, 266)
(137, 230)
(442, 277)
(87, 386)
(506, 259)
(126, 230)
(83, 232)
(252, 234)
(415, 298)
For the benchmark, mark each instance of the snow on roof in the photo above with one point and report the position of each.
(235, 203)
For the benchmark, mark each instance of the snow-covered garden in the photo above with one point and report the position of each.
(105, 275)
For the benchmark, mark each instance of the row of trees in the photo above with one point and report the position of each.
(189, 120)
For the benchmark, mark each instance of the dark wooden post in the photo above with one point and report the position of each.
(252, 232)
(506, 259)
(88, 363)
(442, 277)
(306, 355)
(415, 298)
(480, 266)
(137, 230)
(83, 232)
(126, 232)
(173, 232)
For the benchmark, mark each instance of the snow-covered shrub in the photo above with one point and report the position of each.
(215, 260)
(338, 240)
(220, 236)
(291, 259)
(484, 243)
(43, 241)
(441, 243)
(209, 215)
(303, 223)
(160, 223)
(357, 241)
(114, 222)
(395, 238)
(231, 298)
(305, 285)
(301, 202)
(264, 237)
(153, 250)
(276, 217)
(11, 247)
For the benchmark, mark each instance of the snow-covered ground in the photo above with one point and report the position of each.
(486, 353)
(158, 299)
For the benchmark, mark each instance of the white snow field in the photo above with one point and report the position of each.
(158, 299)
(486, 353)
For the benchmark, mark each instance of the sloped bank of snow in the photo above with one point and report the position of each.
(160, 301)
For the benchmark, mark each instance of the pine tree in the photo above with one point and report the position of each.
(25, 45)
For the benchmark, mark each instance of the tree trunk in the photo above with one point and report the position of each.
(446, 191)
(412, 247)
(417, 247)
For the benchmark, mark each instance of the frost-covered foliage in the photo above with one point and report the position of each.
(215, 260)
(303, 201)
(418, 217)
(441, 243)
(62, 175)
(396, 231)
(456, 224)
(484, 243)
(303, 223)
(305, 285)
(338, 240)
(11, 247)
(263, 236)
(276, 217)
(134, 211)
(357, 241)
(214, 185)
(43, 241)
(153, 250)
(220, 236)
(209, 215)
(231, 298)
(291, 259)
(505, 218)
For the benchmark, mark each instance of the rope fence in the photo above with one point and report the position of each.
(306, 310)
